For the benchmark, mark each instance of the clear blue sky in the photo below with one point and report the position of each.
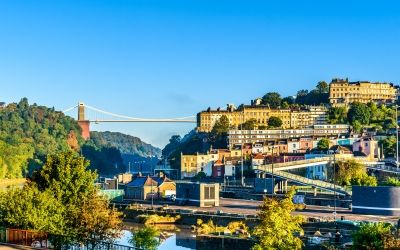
(173, 58)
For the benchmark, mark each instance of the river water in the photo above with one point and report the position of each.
(173, 236)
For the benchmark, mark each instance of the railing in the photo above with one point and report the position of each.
(385, 168)
(325, 160)
(304, 180)
(40, 240)
(295, 163)
(101, 246)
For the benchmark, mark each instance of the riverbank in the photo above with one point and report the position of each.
(4, 183)
(248, 208)
(189, 217)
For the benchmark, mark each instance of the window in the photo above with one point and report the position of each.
(209, 192)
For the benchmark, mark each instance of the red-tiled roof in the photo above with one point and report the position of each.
(258, 157)
(218, 163)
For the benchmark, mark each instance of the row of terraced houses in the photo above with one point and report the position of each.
(298, 136)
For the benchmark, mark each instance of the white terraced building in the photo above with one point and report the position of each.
(236, 136)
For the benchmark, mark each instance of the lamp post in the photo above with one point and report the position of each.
(152, 194)
(397, 140)
(241, 148)
(334, 185)
(272, 166)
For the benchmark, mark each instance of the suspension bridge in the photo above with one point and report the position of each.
(101, 116)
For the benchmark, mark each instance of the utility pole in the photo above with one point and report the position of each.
(397, 140)
(273, 181)
(152, 193)
(241, 148)
(334, 184)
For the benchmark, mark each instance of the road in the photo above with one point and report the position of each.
(249, 207)
(13, 247)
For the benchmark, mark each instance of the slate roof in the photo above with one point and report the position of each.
(141, 181)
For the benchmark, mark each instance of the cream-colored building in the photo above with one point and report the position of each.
(236, 137)
(193, 164)
(261, 113)
(342, 92)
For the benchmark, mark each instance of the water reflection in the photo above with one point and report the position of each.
(170, 236)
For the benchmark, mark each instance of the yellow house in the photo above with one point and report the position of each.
(188, 165)
(193, 164)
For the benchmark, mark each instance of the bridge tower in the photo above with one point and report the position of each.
(84, 124)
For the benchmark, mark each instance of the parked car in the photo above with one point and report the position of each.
(171, 197)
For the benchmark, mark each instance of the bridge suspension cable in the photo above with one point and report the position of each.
(124, 118)
(136, 118)
(69, 109)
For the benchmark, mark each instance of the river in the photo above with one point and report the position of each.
(171, 237)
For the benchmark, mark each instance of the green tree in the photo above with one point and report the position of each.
(250, 124)
(289, 100)
(322, 87)
(323, 144)
(337, 115)
(200, 175)
(85, 214)
(146, 238)
(285, 105)
(389, 146)
(174, 142)
(274, 122)
(29, 208)
(272, 99)
(28, 133)
(351, 172)
(357, 126)
(221, 126)
(277, 226)
(391, 181)
(375, 236)
(359, 112)
(262, 127)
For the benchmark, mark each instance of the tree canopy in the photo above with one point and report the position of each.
(389, 146)
(277, 228)
(375, 236)
(272, 99)
(337, 115)
(30, 132)
(274, 122)
(317, 96)
(146, 238)
(221, 126)
(359, 112)
(250, 124)
(323, 144)
(351, 172)
(63, 201)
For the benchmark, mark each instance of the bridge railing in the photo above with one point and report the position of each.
(304, 180)
(385, 168)
(292, 163)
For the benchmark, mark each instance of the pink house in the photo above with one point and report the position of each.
(367, 146)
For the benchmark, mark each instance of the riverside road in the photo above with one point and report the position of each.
(250, 207)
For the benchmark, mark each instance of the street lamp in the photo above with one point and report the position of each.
(334, 185)
(241, 128)
(272, 175)
(397, 139)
